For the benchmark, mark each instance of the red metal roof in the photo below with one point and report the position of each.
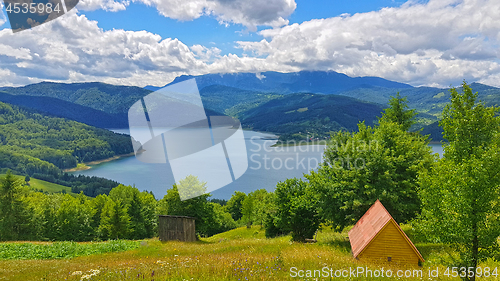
(370, 224)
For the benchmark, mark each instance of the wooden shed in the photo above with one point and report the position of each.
(377, 237)
(176, 228)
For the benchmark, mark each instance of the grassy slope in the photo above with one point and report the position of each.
(44, 185)
(238, 254)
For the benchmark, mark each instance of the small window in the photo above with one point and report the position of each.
(389, 258)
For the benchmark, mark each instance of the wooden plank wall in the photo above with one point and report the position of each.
(389, 243)
(176, 228)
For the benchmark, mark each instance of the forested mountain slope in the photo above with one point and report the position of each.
(40, 146)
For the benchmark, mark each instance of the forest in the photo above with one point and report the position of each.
(41, 146)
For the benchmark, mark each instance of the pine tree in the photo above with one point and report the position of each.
(12, 211)
(399, 113)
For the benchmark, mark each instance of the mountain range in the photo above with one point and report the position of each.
(306, 101)
(319, 82)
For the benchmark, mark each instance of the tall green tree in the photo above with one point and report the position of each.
(398, 112)
(247, 211)
(297, 210)
(137, 220)
(13, 217)
(149, 207)
(197, 207)
(256, 205)
(115, 221)
(73, 219)
(234, 205)
(211, 218)
(460, 193)
(380, 162)
(136, 210)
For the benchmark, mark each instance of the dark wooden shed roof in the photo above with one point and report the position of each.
(185, 217)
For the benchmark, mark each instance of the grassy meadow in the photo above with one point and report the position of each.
(239, 254)
(44, 186)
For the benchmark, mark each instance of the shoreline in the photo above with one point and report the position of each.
(300, 143)
(87, 165)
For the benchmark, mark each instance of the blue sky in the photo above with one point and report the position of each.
(207, 31)
(150, 42)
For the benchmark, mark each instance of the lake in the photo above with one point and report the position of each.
(266, 167)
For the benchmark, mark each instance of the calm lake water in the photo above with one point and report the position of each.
(437, 148)
(266, 167)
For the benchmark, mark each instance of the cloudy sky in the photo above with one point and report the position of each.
(150, 42)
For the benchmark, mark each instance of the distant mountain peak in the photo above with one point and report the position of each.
(323, 82)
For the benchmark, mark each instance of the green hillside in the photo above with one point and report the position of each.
(424, 99)
(57, 141)
(96, 104)
(44, 186)
(100, 96)
(232, 101)
(310, 115)
(299, 115)
(41, 147)
(434, 131)
(66, 109)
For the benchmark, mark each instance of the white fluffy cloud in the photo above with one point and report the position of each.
(76, 49)
(107, 5)
(440, 42)
(248, 13)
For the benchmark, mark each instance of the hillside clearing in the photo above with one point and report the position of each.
(44, 186)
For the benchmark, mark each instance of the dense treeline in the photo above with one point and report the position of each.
(39, 146)
(90, 186)
(380, 162)
(31, 215)
(126, 213)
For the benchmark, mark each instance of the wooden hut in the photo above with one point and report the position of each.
(377, 237)
(176, 228)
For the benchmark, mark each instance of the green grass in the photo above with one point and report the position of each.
(238, 233)
(49, 187)
(62, 250)
(438, 96)
(239, 254)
